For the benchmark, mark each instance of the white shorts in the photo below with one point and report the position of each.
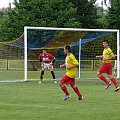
(47, 66)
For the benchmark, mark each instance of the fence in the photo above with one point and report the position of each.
(34, 65)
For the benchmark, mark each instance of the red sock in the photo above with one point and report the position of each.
(77, 91)
(104, 79)
(114, 82)
(64, 89)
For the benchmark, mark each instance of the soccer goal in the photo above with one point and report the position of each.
(85, 43)
(12, 60)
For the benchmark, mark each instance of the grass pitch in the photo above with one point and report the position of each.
(33, 101)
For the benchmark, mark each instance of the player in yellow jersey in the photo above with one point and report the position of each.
(69, 78)
(107, 65)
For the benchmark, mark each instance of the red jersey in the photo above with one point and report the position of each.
(46, 58)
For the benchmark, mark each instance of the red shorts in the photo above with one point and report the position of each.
(106, 68)
(67, 80)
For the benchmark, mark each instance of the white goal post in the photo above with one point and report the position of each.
(69, 29)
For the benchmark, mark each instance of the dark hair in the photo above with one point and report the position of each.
(106, 41)
(68, 48)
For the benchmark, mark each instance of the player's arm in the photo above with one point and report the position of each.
(40, 60)
(63, 65)
(99, 57)
(53, 59)
(70, 67)
(115, 55)
(112, 56)
(74, 61)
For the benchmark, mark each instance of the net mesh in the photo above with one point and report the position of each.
(11, 63)
(91, 45)
(12, 53)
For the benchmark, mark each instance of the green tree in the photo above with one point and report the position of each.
(1, 14)
(114, 15)
(86, 13)
(47, 13)
(5, 29)
(102, 20)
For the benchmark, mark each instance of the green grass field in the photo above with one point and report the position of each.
(35, 75)
(33, 101)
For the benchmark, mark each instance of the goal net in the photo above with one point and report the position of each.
(12, 60)
(19, 58)
(85, 44)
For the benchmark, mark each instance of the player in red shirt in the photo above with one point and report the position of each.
(47, 61)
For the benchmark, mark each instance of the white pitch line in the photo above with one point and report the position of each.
(28, 105)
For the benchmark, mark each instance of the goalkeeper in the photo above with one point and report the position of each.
(47, 61)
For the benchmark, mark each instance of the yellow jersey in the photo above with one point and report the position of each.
(70, 61)
(107, 53)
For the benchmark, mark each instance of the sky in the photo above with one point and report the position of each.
(5, 3)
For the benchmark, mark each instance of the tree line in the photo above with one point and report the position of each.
(58, 13)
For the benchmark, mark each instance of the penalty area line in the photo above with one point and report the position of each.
(28, 105)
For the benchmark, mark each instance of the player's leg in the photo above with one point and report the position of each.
(63, 87)
(103, 79)
(109, 72)
(52, 72)
(75, 88)
(103, 69)
(114, 82)
(42, 73)
(41, 76)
